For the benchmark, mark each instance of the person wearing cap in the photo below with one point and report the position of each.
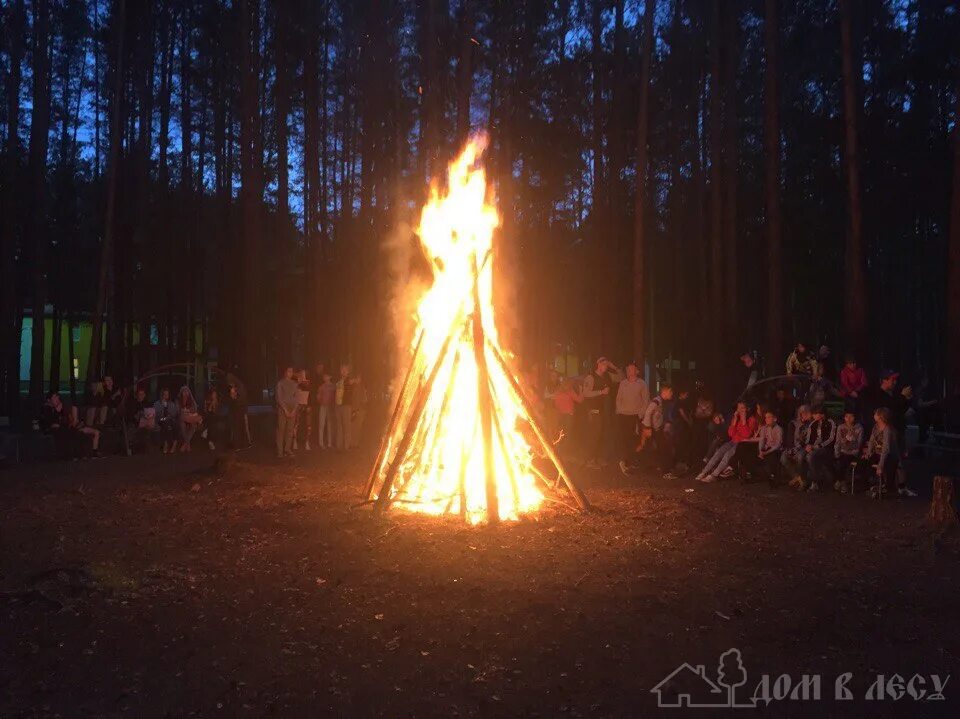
(597, 387)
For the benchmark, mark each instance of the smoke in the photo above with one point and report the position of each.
(408, 275)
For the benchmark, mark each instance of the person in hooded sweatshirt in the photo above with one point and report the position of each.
(802, 361)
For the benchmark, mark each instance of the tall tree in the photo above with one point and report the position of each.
(715, 139)
(855, 297)
(9, 306)
(640, 211)
(39, 143)
(731, 175)
(104, 279)
(953, 259)
(251, 189)
(771, 149)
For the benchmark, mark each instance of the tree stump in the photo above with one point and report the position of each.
(943, 512)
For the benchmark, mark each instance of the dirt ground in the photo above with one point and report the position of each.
(151, 586)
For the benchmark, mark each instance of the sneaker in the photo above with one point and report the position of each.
(814, 487)
(212, 446)
(307, 446)
(874, 493)
(669, 475)
(838, 486)
(624, 470)
(708, 478)
(728, 472)
(699, 477)
(843, 488)
(797, 483)
(905, 491)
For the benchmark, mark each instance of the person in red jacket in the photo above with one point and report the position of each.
(853, 380)
(742, 428)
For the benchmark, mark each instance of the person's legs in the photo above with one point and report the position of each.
(282, 420)
(93, 435)
(770, 466)
(356, 426)
(347, 425)
(725, 458)
(627, 425)
(290, 434)
(820, 464)
(594, 437)
(712, 465)
(322, 428)
(102, 415)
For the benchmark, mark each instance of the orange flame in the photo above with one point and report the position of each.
(437, 440)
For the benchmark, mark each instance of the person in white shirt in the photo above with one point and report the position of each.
(633, 396)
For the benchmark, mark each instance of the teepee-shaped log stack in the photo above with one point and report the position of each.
(463, 438)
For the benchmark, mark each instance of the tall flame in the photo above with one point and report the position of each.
(448, 458)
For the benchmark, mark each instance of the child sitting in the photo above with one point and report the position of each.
(819, 449)
(742, 427)
(792, 459)
(846, 448)
(769, 445)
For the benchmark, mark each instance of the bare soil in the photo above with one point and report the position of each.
(151, 586)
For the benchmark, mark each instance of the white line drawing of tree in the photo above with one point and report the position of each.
(731, 673)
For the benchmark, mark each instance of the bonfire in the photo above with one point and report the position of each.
(462, 437)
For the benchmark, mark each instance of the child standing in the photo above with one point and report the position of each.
(326, 398)
(853, 380)
(846, 448)
(882, 453)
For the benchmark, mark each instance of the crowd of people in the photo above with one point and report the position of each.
(806, 428)
(813, 428)
(318, 411)
(312, 411)
(169, 422)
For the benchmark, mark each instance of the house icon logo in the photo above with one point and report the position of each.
(689, 686)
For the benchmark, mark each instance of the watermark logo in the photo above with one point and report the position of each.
(696, 687)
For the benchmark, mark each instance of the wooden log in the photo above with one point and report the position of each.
(578, 496)
(416, 411)
(394, 419)
(485, 402)
(943, 511)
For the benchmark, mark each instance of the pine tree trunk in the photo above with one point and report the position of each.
(106, 247)
(953, 265)
(9, 304)
(640, 212)
(251, 192)
(715, 138)
(731, 173)
(39, 142)
(771, 148)
(855, 299)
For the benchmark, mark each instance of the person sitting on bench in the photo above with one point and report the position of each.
(846, 448)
